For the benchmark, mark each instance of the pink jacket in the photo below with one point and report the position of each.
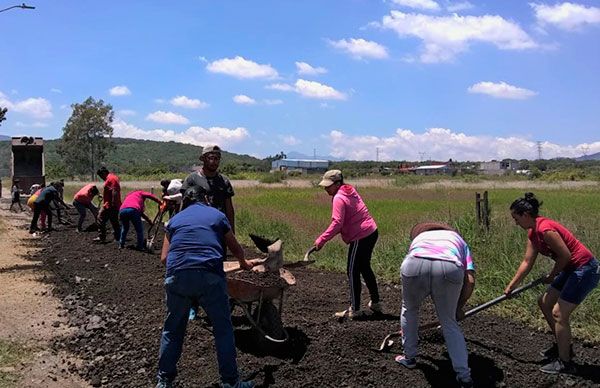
(349, 216)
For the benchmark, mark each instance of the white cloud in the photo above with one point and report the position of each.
(272, 102)
(242, 99)
(187, 102)
(501, 90)
(428, 5)
(239, 67)
(567, 16)
(444, 37)
(312, 89)
(443, 144)
(120, 90)
(280, 87)
(304, 68)
(360, 48)
(126, 112)
(290, 140)
(167, 118)
(225, 137)
(460, 6)
(36, 124)
(37, 107)
(55, 90)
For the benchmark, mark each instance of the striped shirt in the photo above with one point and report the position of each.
(442, 245)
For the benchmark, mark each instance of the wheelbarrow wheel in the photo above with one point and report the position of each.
(269, 321)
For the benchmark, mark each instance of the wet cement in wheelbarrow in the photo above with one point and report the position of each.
(116, 301)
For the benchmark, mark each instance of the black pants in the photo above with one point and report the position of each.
(359, 263)
(18, 202)
(38, 208)
(112, 215)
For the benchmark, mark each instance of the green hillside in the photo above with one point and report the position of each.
(139, 158)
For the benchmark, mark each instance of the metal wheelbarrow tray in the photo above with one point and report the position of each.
(256, 300)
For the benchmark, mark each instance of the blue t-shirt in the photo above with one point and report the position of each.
(47, 195)
(197, 239)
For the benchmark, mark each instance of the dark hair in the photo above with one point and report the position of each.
(428, 226)
(95, 190)
(528, 204)
(197, 193)
(102, 171)
(165, 183)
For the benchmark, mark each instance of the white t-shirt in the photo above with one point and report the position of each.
(174, 191)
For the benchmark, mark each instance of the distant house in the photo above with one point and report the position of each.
(436, 169)
(495, 167)
(300, 165)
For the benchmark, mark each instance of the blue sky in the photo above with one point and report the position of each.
(401, 79)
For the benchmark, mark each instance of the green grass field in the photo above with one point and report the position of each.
(298, 216)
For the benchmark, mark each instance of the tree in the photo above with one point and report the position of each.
(87, 136)
(2, 114)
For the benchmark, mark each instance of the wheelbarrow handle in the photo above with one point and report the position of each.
(503, 297)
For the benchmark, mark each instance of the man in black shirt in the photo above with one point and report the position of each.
(220, 186)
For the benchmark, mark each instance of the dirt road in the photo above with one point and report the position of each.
(30, 315)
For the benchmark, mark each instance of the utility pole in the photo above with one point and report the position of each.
(585, 149)
(421, 155)
(539, 149)
(314, 153)
(377, 154)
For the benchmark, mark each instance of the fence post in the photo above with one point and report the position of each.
(478, 208)
(486, 211)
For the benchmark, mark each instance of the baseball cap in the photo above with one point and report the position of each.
(331, 177)
(210, 148)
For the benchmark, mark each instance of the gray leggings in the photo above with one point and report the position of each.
(442, 280)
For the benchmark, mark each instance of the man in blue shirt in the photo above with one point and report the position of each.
(42, 203)
(193, 252)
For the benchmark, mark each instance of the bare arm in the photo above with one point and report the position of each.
(561, 253)
(467, 290)
(530, 255)
(237, 250)
(165, 250)
(230, 213)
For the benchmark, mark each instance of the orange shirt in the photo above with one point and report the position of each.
(112, 185)
(84, 196)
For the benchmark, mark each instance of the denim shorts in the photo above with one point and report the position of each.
(576, 284)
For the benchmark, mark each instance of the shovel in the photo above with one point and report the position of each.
(387, 342)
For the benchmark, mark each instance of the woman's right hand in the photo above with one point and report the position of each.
(509, 289)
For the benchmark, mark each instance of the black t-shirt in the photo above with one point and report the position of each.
(220, 187)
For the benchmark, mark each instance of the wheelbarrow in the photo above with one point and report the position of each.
(388, 341)
(257, 301)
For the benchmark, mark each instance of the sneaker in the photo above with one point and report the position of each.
(192, 315)
(409, 363)
(559, 366)
(376, 307)
(163, 383)
(240, 384)
(350, 314)
(466, 383)
(552, 352)
(99, 240)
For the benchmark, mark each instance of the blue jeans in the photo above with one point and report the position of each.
(135, 217)
(210, 290)
(576, 284)
(82, 209)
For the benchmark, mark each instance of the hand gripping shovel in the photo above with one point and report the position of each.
(387, 342)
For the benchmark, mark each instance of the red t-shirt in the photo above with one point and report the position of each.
(111, 184)
(84, 196)
(580, 255)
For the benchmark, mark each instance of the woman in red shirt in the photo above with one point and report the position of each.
(574, 275)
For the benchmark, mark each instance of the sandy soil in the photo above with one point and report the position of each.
(29, 314)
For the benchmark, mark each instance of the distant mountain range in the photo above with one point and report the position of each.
(4, 137)
(595, 156)
(299, 155)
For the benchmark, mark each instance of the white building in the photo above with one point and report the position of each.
(301, 165)
(437, 169)
(495, 167)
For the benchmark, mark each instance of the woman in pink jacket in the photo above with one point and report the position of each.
(350, 217)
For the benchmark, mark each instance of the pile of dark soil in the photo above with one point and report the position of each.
(259, 279)
(116, 301)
